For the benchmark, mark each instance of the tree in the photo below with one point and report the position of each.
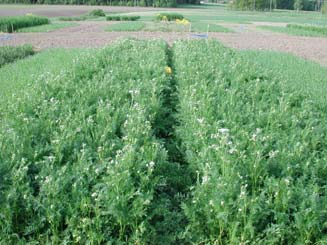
(298, 5)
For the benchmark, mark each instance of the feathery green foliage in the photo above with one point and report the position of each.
(142, 144)
(259, 149)
(78, 152)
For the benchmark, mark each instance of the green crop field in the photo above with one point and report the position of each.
(144, 143)
(48, 27)
(299, 30)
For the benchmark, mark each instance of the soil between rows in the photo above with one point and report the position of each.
(93, 34)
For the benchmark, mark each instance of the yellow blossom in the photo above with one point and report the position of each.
(168, 70)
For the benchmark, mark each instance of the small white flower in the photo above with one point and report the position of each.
(200, 120)
(232, 150)
(273, 154)
(205, 179)
(223, 130)
(47, 179)
(151, 164)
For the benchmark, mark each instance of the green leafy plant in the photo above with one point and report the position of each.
(97, 12)
(256, 145)
(89, 155)
(10, 54)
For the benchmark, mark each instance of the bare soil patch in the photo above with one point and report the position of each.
(66, 10)
(93, 34)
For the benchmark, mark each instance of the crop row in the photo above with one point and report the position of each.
(11, 24)
(10, 54)
(146, 145)
(78, 152)
(259, 150)
(122, 18)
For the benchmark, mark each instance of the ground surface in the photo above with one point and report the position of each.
(93, 34)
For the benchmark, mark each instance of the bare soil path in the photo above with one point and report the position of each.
(65, 10)
(93, 34)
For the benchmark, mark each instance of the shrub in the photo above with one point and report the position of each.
(122, 18)
(169, 16)
(10, 54)
(11, 24)
(97, 12)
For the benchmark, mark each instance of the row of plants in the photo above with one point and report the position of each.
(143, 144)
(123, 17)
(95, 13)
(258, 147)
(311, 28)
(169, 16)
(126, 26)
(78, 151)
(11, 24)
(10, 54)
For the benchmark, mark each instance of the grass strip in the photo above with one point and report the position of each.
(126, 26)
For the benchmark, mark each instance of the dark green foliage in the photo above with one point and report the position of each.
(11, 24)
(122, 18)
(74, 18)
(97, 12)
(10, 54)
(253, 4)
(272, 4)
(169, 16)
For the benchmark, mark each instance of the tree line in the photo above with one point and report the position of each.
(142, 3)
(309, 5)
